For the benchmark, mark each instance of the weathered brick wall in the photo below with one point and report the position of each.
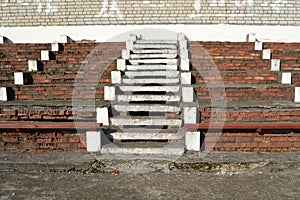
(108, 12)
(252, 141)
(40, 141)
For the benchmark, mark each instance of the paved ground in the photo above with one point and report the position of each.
(84, 176)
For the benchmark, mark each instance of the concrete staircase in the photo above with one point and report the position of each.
(146, 108)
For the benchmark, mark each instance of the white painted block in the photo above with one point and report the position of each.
(19, 78)
(184, 64)
(188, 94)
(251, 37)
(109, 93)
(32, 65)
(266, 54)
(116, 77)
(102, 116)
(121, 64)
(297, 94)
(186, 78)
(191, 115)
(184, 53)
(65, 39)
(183, 44)
(133, 37)
(129, 45)
(45, 55)
(2, 40)
(181, 36)
(275, 65)
(258, 45)
(3, 94)
(286, 78)
(55, 46)
(93, 141)
(125, 54)
(193, 141)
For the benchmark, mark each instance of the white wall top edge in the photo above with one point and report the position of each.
(119, 33)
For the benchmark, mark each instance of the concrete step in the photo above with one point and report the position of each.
(168, 74)
(152, 108)
(155, 46)
(150, 80)
(139, 56)
(144, 121)
(155, 51)
(127, 98)
(173, 89)
(145, 134)
(154, 61)
(151, 67)
(156, 42)
(146, 149)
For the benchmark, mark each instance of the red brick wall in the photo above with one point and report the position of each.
(42, 141)
(252, 141)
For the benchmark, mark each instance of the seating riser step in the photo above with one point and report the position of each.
(173, 89)
(149, 80)
(155, 46)
(154, 61)
(168, 74)
(127, 98)
(152, 67)
(113, 149)
(145, 122)
(156, 42)
(156, 51)
(145, 136)
(152, 108)
(139, 56)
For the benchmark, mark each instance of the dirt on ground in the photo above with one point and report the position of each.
(76, 175)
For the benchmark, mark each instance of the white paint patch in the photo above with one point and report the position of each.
(110, 10)
(197, 5)
(216, 3)
(193, 32)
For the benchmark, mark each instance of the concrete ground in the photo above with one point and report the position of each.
(77, 175)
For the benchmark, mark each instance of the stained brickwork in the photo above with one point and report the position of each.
(111, 12)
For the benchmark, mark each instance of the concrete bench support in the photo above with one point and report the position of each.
(193, 141)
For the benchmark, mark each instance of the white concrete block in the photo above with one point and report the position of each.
(125, 54)
(258, 45)
(184, 53)
(121, 64)
(19, 78)
(55, 46)
(116, 77)
(297, 94)
(266, 54)
(251, 37)
(186, 78)
(275, 65)
(32, 65)
(183, 44)
(193, 141)
(286, 78)
(133, 37)
(188, 94)
(2, 40)
(93, 141)
(181, 36)
(191, 115)
(109, 93)
(65, 39)
(45, 55)
(102, 116)
(3, 94)
(129, 45)
(184, 64)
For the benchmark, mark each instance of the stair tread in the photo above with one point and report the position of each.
(151, 97)
(152, 67)
(143, 107)
(156, 42)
